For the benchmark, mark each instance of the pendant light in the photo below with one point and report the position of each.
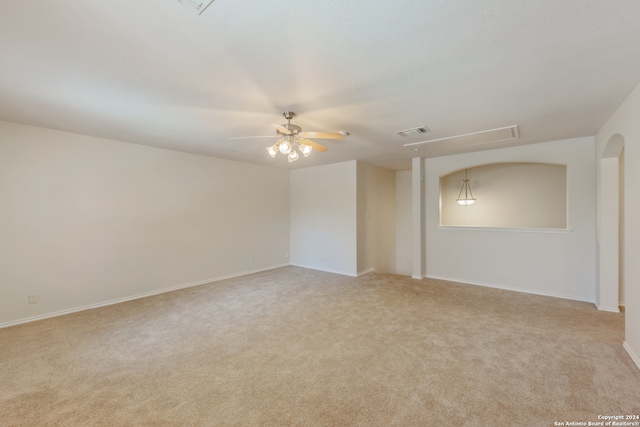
(468, 195)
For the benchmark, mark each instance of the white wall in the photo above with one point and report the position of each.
(86, 221)
(404, 227)
(625, 122)
(557, 264)
(376, 219)
(324, 218)
(523, 195)
(621, 230)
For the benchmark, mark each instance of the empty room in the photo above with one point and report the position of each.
(364, 213)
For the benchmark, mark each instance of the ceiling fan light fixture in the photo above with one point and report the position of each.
(285, 147)
(305, 149)
(292, 141)
(273, 150)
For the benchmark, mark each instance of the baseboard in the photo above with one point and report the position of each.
(367, 271)
(609, 309)
(632, 354)
(133, 297)
(326, 270)
(526, 291)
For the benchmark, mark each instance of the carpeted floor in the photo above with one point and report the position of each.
(299, 347)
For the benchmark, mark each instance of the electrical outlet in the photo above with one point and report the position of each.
(33, 298)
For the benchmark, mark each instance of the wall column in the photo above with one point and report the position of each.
(608, 226)
(417, 216)
(608, 279)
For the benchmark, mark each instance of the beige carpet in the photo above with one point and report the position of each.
(299, 347)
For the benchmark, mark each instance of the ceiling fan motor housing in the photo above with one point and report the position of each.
(294, 129)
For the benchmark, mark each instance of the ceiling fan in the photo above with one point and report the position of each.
(291, 139)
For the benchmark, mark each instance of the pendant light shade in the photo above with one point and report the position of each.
(468, 198)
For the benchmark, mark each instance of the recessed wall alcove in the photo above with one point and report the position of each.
(508, 195)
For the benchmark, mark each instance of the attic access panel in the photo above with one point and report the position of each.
(506, 133)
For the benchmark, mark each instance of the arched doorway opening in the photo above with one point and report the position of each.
(610, 283)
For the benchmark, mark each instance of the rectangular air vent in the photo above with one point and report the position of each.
(475, 138)
(414, 131)
(198, 5)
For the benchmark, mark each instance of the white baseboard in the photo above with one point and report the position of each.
(326, 270)
(632, 354)
(133, 297)
(526, 291)
(367, 271)
(609, 309)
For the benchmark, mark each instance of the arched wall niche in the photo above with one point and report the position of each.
(508, 195)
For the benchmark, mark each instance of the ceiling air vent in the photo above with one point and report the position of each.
(414, 131)
(198, 5)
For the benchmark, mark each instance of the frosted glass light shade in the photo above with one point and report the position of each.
(273, 150)
(293, 156)
(466, 202)
(306, 150)
(285, 147)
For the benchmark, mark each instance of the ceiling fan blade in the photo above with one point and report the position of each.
(314, 145)
(259, 136)
(321, 135)
(282, 129)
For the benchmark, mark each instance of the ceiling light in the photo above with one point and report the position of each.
(290, 147)
(293, 156)
(468, 195)
(285, 147)
(294, 142)
(306, 149)
(273, 150)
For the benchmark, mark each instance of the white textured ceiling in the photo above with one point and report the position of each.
(155, 72)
